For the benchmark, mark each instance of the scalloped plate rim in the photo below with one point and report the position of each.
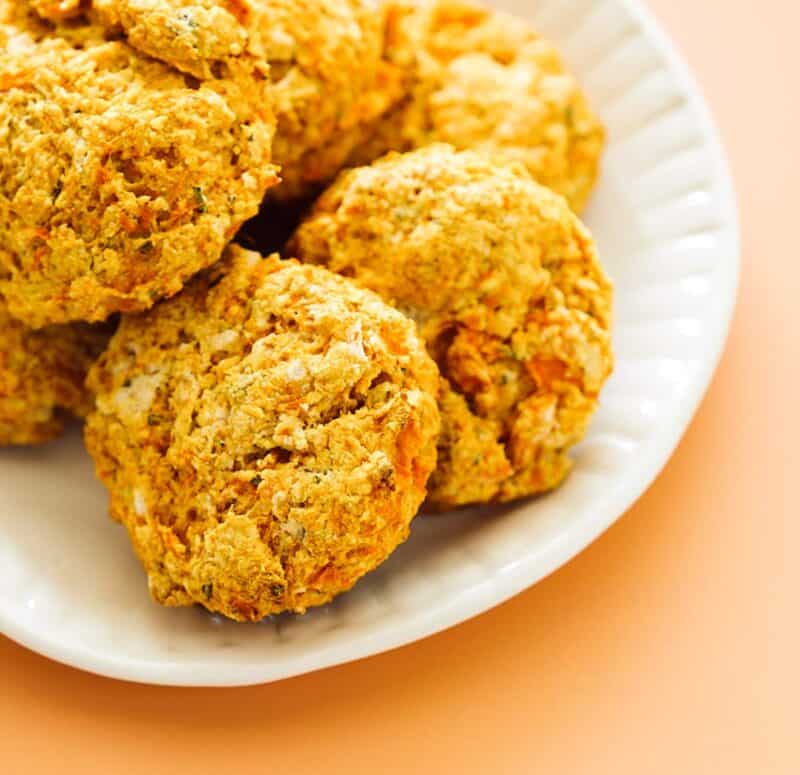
(527, 570)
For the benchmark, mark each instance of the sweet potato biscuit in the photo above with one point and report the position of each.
(484, 80)
(42, 376)
(120, 177)
(505, 285)
(266, 436)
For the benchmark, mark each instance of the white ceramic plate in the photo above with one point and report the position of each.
(665, 218)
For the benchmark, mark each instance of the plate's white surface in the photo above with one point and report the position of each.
(665, 218)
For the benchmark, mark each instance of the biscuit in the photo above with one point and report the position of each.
(266, 436)
(508, 293)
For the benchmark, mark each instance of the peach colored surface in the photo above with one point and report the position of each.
(670, 646)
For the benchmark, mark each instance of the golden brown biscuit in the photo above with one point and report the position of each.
(120, 177)
(42, 377)
(266, 436)
(328, 73)
(484, 80)
(507, 290)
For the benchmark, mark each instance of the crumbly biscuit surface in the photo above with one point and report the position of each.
(119, 176)
(266, 436)
(199, 37)
(329, 79)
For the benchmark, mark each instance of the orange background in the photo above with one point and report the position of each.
(670, 646)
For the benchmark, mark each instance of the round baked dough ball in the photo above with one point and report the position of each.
(326, 60)
(266, 436)
(507, 291)
(120, 177)
(42, 376)
(485, 80)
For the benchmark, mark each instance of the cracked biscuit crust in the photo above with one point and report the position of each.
(120, 177)
(266, 436)
(42, 377)
(484, 80)
(507, 290)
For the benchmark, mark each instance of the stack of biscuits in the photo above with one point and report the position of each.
(269, 414)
